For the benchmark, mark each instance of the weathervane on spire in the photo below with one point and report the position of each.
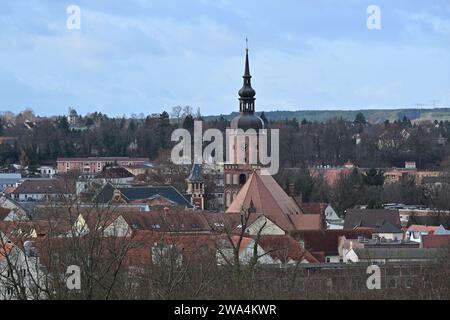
(246, 44)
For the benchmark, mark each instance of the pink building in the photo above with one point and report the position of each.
(96, 164)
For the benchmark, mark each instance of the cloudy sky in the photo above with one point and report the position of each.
(143, 56)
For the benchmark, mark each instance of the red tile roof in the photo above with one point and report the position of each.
(314, 207)
(436, 241)
(285, 248)
(265, 196)
(45, 186)
(327, 241)
(307, 221)
(420, 228)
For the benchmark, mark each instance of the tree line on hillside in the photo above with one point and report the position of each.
(363, 188)
(333, 142)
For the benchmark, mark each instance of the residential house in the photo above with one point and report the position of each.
(415, 232)
(13, 210)
(115, 175)
(388, 231)
(9, 180)
(441, 231)
(347, 246)
(436, 219)
(47, 171)
(139, 169)
(92, 165)
(127, 224)
(385, 223)
(154, 196)
(330, 174)
(43, 189)
(267, 250)
(324, 244)
(394, 255)
(20, 270)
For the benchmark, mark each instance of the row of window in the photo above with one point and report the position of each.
(235, 179)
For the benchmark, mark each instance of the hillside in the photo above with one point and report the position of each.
(372, 115)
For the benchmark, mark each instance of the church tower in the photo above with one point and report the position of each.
(196, 187)
(236, 172)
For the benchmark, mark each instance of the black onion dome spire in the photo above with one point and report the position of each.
(247, 93)
(247, 119)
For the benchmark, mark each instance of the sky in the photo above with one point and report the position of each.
(145, 56)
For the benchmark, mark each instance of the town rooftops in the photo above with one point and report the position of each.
(371, 218)
(139, 193)
(9, 178)
(420, 228)
(263, 195)
(285, 248)
(436, 241)
(44, 186)
(396, 253)
(431, 220)
(307, 221)
(313, 207)
(388, 227)
(4, 212)
(114, 173)
(327, 241)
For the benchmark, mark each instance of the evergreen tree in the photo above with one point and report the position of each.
(188, 123)
(360, 119)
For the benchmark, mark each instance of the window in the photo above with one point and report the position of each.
(242, 179)
(393, 283)
(408, 283)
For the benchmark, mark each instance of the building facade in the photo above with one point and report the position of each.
(96, 164)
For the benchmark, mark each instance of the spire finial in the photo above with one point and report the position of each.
(247, 94)
(247, 65)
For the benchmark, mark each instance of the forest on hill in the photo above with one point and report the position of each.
(372, 115)
(31, 140)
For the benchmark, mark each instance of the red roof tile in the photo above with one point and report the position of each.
(436, 241)
(263, 194)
